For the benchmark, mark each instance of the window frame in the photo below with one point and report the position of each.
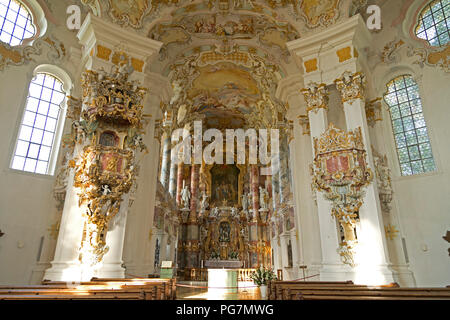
(388, 127)
(417, 21)
(411, 20)
(67, 86)
(38, 19)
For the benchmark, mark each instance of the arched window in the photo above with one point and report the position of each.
(39, 129)
(434, 23)
(16, 22)
(409, 127)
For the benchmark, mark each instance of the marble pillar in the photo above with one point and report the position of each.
(173, 181)
(180, 177)
(165, 162)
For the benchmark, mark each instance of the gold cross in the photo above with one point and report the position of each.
(391, 231)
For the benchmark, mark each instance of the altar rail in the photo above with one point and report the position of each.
(201, 274)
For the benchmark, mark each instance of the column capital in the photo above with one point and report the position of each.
(316, 97)
(351, 86)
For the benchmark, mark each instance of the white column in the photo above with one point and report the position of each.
(96, 37)
(284, 253)
(332, 267)
(371, 254)
(115, 238)
(65, 264)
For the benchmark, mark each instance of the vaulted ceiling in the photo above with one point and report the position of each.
(226, 56)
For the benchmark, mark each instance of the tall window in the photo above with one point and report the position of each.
(410, 131)
(15, 22)
(434, 23)
(39, 125)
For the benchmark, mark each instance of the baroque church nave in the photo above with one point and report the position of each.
(189, 136)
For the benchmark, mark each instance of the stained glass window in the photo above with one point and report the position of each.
(15, 22)
(434, 23)
(39, 125)
(409, 127)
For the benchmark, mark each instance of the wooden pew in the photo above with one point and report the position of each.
(136, 289)
(283, 290)
(169, 284)
(276, 288)
(83, 293)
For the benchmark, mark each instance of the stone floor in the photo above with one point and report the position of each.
(198, 291)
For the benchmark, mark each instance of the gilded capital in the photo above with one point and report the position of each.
(316, 97)
(351, 86)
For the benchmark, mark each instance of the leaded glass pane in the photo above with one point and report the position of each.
(433, 24)
(15, 22)
(39, 125)
(409, 127)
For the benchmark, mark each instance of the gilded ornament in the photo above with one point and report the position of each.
(311, 65)
(344, 54)
(340, 171)
(391, 231)
(351, 86)
(316, 97)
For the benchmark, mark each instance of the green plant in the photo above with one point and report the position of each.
(262, 276)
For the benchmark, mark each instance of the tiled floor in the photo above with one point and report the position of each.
(198, 291)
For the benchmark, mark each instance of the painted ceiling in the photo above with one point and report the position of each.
(227, 55)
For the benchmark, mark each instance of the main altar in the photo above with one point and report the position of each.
(224, 223)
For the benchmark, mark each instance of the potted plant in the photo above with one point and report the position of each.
(261, 277)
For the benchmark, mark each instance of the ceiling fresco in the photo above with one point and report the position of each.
(224, 57)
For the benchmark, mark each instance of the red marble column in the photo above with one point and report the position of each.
(194, 189)
(180, 176)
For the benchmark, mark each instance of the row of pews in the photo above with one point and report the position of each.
(96, 289)
(347, 290)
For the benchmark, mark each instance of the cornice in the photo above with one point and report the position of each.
(96, 31)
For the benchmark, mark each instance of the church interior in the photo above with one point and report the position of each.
(181, 145)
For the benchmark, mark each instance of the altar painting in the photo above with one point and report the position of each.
(225, 185)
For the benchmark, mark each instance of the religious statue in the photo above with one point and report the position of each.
(214, 212)
(244, 202)
(204, 204)
(203, 233)
(234, 212)
(250, 200)
(263, 196)
(185, 197)
(224, 232)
